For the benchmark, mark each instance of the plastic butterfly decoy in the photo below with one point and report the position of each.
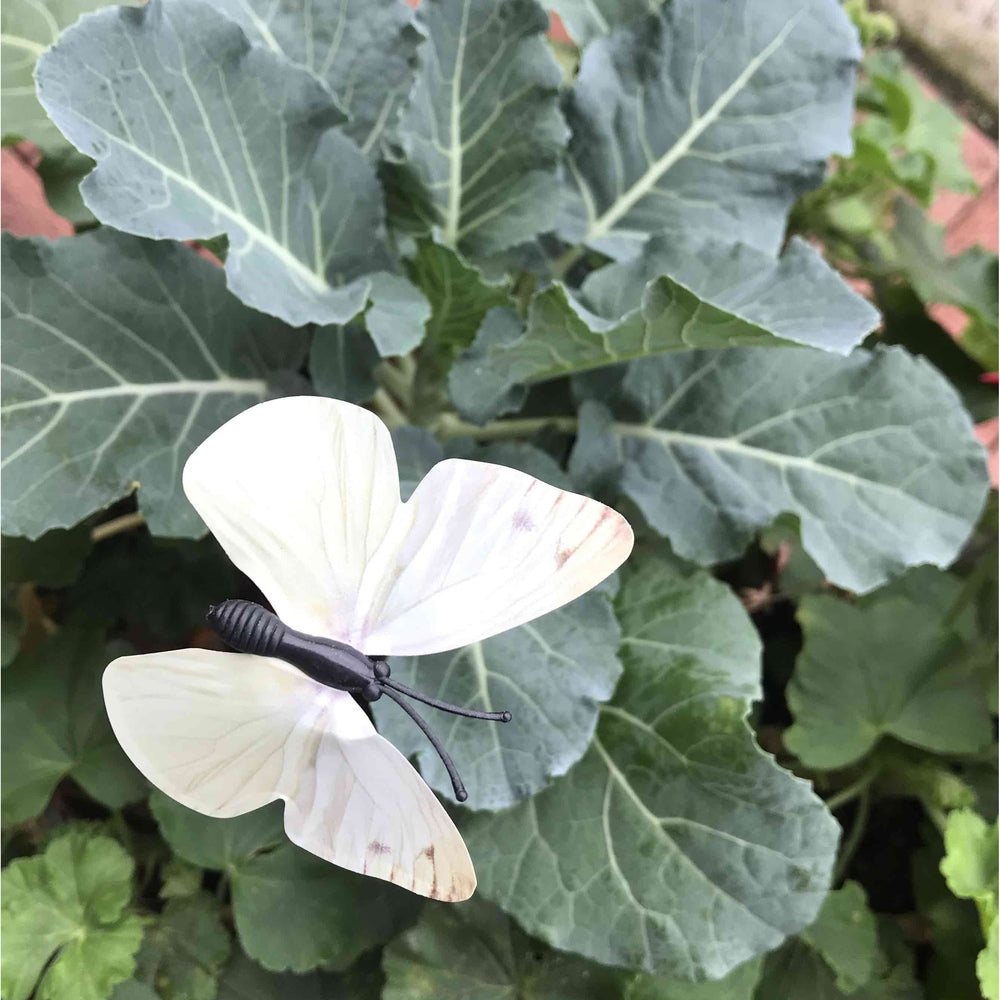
(303, 494)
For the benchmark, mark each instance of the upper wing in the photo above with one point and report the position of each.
(481, 548)
(303, 494)
(225, 733)
(300, 492)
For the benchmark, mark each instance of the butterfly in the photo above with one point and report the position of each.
(303, 494)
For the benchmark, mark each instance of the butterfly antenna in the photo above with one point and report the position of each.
(456, 782)
(445, 706)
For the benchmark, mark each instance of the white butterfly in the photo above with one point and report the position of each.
(303, 494)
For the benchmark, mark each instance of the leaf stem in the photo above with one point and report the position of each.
(395, 382)
(562, 263)
(116, 526)
(392, 416)
(853, 840)
(856, 788)
(449, 425)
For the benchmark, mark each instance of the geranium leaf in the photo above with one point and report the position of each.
(329, 916)
(364, 51)
(217, 843)
(889, 666)
(120, 356)
(679, 294)
(711, 117)
(873, 453)
(845, 935)
(65, 920)
(480, 149)
(740, 984)
(197, 133)
(28, 29)
(674, 825)
(473, 949)
(245, 980)
(54, 726)
(184, 950)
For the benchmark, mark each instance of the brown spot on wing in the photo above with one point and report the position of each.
(376, 847)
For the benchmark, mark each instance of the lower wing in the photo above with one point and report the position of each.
(225, 733)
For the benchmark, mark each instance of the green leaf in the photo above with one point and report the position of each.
(886, 667)
(873, 453)
(159, 587)
(197, 133)
(955, 933)
(480, 147)
(342, 363)
(586, 20)
(906, 322)
(120, 356)
(180, 879)
(28, 29)
(736, 985)
(970, 861)
(550, 674)
(61, 174)
(967, 280)
(845, 935)
(217, 843)
(460, 297)
(185, 949)
(912, 122)
(472, 950)
(795, 970)
(479, 391)
(675, 845)
(679, 294)
(245, 980)
(709, 118)
(12, 626)
(292, 910)
(363, 51)
(397, 314)
(65, 920)
(53, 560)
(54, 726)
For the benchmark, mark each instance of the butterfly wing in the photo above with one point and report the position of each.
(479, 549)
(300, 492)
(303, 494)
(225, 733)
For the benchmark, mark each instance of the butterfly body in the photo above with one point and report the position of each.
(249, 628)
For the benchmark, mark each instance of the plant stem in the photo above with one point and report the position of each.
(448, 425)
(391, 414)
(116, 526)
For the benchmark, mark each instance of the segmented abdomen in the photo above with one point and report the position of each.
(247, 627)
